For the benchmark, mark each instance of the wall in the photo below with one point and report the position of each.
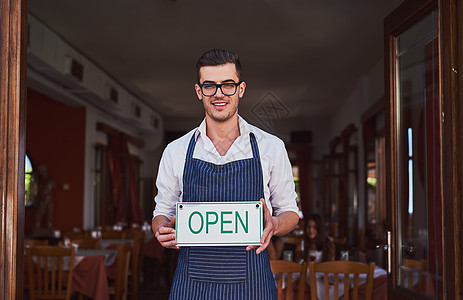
(148, 154)
(369, 89)
(55, 136)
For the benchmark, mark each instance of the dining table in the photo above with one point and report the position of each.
(90, 277)
(111, 244)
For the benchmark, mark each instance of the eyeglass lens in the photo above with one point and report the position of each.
(228, 89)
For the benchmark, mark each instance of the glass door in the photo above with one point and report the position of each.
(414, 151)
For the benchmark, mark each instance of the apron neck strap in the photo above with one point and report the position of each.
(254, 147)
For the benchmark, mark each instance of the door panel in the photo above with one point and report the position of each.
(418, 158)
(414, 153)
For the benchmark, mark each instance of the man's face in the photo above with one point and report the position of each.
(220, 107)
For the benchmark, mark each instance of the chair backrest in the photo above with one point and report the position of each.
(285, 270)
(339, 240)
(34, 242)
(87, 243)
(413, 276)
(300, 225)
(46, 272)
(138, 237)
(132, 232)
(334, 269)
(333, 229)
(76, 234)
(119, 289)
(113, 234)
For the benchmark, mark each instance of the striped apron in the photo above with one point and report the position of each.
(222, 272)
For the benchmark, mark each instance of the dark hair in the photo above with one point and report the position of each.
(320, 226)
(322, 240)
(217, 57)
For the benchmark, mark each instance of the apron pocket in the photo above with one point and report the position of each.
(217, 264)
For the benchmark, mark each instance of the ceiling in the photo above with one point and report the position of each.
(308, 54)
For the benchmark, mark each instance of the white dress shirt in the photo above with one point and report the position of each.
(279, 191)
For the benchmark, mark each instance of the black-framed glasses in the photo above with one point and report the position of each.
(228, 88)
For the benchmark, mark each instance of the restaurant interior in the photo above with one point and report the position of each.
(111, 83)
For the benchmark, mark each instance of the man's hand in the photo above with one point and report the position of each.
(268, 229)
(279, 225)
(164, 231)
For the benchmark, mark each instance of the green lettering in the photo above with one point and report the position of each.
(207, 219)
(225, 221)
(238, 217)
(202, 222)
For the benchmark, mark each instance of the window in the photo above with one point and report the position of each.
(29, 190)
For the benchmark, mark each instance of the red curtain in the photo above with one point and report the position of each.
(119, 160)
(136, 214)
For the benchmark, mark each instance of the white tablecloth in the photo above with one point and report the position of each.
(109, 254)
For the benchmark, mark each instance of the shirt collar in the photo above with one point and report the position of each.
(245, 128)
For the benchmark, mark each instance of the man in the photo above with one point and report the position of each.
(224, 159)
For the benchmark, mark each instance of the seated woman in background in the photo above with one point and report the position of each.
(318, 246)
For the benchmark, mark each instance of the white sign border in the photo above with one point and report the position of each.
(221, 244)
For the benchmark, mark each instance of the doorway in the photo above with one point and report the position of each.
(422, 184)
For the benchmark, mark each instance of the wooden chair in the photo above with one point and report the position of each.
(136, 260)
(300, 225)
(34, 243)
(333, 226)
(86, 243)
(76, 234)
(46, 264)
(341, 267)
(118, 288)
(282, 267)
(339, 240)
(106, 228)
(414, 269)
(113, 234)
(361, 240)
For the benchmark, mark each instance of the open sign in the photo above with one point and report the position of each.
(219, 223)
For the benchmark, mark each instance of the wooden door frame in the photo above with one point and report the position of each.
(395, 23)
(450, 50)
(13, 43)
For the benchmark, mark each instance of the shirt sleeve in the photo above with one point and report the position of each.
(167, 185)
(281, 184)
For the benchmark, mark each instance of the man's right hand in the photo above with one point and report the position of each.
(164, 231)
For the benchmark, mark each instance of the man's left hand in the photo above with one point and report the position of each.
(268, 229)
(279, 225)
